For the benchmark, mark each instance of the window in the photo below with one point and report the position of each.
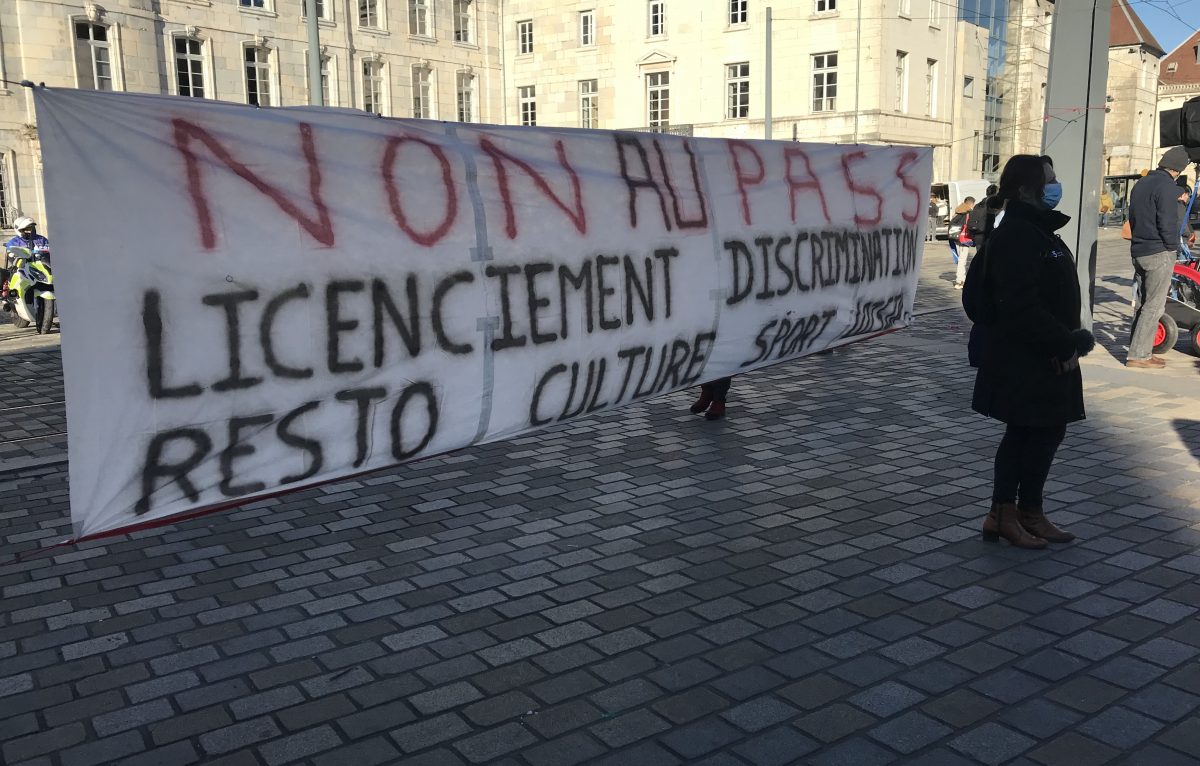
(465, 96)
(589, 104)
(422, 92)
(587, 28)
(824, 68)
(189, 67)
(905, 7)
(525, 37)
(737, 91)
(253, 4)
(658, 99)
(258, 75)
(7, 206)
(901, 81)
(739, 12)
(527, 95)
(368, 13)
(824, 6)
(1196, 48)
(931, 86)
(326, 93)
(418, 18)
(976, 154)
(372, 76)
(93, 56)
(968, 87)
(321, 13)
(657, 18)
(937, 12)
(464, 28)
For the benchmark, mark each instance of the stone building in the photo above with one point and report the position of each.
(919, 75)
(431, 58)
(699, 68)
(1018, 62)
(1131, 128)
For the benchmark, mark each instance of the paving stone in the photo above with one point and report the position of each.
(910, 732)
(853, 752)
(700, 738)
(1163, 702)
(758, 714)
(296, 747)
(992, 744)
(1121, 728)
(1074, 749)
(570, 750)
(779, 746)
(1040, 718)
(371, 752)
(833, 722)
(1085, 694)
(887, 699)
(628, 728)
(239, 735)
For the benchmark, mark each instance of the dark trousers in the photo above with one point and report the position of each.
(1023, 462)
(716, 390)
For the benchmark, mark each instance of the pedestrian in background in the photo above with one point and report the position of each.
(1029, 376)
(960, 249)
(982, 219)
(1154, 248)
(1186, 234)
(712, 398)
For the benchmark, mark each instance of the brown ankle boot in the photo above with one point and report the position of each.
(1003, 520)
(1034, 520)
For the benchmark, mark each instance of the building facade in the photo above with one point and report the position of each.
(1018, 64)
(1131, 126)
(700, 68)
(438, 59)
(870, 71)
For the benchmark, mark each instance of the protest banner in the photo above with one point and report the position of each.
(257, 300)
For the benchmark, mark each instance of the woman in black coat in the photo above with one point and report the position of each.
(1029, 375)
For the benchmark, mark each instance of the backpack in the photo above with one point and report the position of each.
(976, 298)
(964, 236)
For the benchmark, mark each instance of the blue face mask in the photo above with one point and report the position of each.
(1052, 194)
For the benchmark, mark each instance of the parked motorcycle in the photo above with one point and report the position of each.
(30, 291)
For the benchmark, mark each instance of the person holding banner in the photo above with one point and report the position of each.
(1029, 377)
(712, 398)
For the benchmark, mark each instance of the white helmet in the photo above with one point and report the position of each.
(24, 222)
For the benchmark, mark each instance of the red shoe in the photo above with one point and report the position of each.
(716, 410)
(702, 403)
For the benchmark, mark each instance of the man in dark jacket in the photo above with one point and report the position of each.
(1154, 223)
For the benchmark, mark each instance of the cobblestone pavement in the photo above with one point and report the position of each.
(802, 583)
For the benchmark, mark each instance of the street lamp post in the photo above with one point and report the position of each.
(314, 55)
(767, 82)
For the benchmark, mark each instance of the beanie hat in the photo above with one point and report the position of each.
(1175, 158)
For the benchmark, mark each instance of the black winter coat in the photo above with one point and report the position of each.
(1154, 215)
(1032, 281)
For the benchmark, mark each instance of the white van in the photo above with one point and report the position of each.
(951, 194)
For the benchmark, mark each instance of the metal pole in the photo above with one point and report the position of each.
(858, 65)
(314, 54)
(767, 82)
(1074, 128)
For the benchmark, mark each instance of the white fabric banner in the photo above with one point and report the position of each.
(256, 300)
